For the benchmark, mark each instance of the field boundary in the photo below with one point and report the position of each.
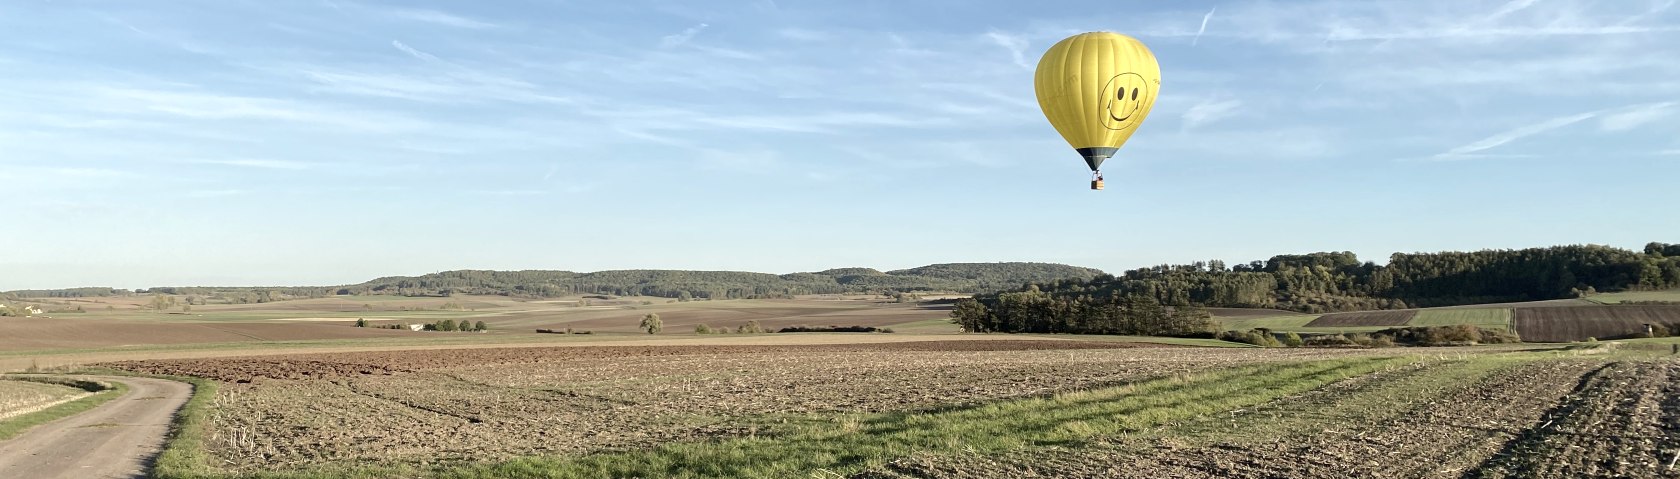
(1364, 319)
(849, 443)
(17, 425)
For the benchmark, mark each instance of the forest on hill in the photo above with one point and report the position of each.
(1329, 282)
(955, 277)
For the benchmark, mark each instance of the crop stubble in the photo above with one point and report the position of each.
(486, 404)
(1513, 422)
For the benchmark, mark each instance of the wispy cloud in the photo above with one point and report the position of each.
(255, 163)
(1203, 28)
(51, 175)
(681, 38)
(439, 18)
(1613, 119)
(1016, 44)
(803, 35)
(1508, 8)
(749, 161)
(413, 52)
(818, 123)
(1514, 134)
(215, 106)
(1637, 116)
(1209, 111)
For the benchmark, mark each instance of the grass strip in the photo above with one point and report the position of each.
(102, 392)
(849, 443)
(185, 455)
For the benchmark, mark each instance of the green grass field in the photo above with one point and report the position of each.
(1617, 298)
(1482, 318)
(1293, 322)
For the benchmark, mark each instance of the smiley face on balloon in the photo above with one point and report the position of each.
(1123, 98)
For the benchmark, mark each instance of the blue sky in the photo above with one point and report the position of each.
(324, 142)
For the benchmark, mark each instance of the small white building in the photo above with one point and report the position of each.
(416, 327)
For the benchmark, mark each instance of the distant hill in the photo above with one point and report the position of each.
(956, 277)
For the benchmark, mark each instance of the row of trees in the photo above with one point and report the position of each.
(1037, 311)
(1316, 283)
(1324, 282)
(440, 325)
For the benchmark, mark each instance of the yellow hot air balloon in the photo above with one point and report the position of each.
(1096, 88)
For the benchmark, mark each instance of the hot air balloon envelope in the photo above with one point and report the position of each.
(1096, 88)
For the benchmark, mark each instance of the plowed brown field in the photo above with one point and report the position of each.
(1548, 419)
(1581, 322)
(486, 404)
(50, 333)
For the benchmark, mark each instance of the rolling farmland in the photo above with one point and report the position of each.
(1364, 318)
(1580, 323)
(925, 410)
(1629, 296)
(1499, 318)
(500, 403)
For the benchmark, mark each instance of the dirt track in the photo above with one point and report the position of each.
(115, 440)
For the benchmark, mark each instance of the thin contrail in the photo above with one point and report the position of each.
(1199, 31)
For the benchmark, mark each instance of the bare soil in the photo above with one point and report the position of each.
(488, 404)
(1624, 421)
(1581, 322)
(1455, 432)
(54, 333)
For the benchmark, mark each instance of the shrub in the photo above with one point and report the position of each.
(1382, 341)
(1329, 340)
(1660, 331)
(1446, 336)
(652, 323)
(702, 329)
(1259, 337)
(446, 325)
(480, 326)
(1292, 340)
(361, 322)
(751, 327)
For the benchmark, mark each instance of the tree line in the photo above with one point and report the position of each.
(1036, 311)
(1326, 282)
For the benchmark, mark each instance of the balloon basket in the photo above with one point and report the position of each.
(1096, 184)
